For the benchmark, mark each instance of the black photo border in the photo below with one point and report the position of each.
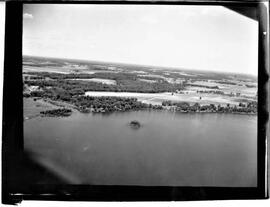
(14, 189)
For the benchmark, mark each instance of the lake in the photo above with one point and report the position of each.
(170, 149)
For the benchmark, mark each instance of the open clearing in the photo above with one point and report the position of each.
(158, 98)
(45, 69)
(98, 80)
(226, 88)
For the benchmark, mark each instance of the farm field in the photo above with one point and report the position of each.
(150, 85)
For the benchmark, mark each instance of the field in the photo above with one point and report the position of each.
(158, 98)
(69, 80)
(99, 80)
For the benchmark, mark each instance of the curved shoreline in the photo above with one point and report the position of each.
(101, 110)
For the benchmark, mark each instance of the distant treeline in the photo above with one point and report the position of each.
(226, 82)
(203, 86)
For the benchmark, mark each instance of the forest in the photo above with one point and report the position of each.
(250, 107)
(62, 85)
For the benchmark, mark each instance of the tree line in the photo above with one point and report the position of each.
(57, 112)
(250, 107)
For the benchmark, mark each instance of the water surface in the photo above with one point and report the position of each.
(174, 149)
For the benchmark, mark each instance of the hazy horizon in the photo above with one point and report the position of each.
(134, 64)
(202, 38)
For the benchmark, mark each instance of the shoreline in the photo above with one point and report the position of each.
(62, 104)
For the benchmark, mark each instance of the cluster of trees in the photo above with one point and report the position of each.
(147, 87)
(250, 104)
(203, 86)
(211, 91)
(183, 106)
(226, 82)
(56, 93)
(107, 104)
(250, 107)
(57, 112)
(250, 86)
(35, 78)
(135, 124)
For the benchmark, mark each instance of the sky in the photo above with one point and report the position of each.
(211, 38)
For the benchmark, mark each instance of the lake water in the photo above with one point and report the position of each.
(174, 149)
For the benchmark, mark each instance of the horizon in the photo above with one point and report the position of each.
(203, 38)
(147, 66)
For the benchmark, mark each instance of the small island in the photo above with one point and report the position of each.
(135, 124)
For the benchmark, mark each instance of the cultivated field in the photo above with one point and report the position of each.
(68, 80)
